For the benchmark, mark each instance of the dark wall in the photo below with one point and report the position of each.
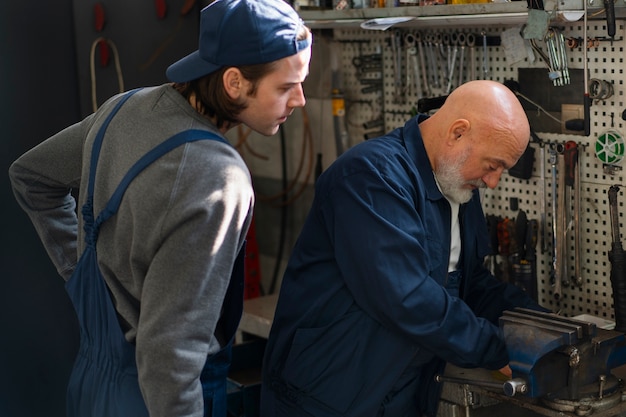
(144, 41)
(45, 86)
(38, 97)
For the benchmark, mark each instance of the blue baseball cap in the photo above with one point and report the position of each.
(241, 32)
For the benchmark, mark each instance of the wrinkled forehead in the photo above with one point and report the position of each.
(503, 148)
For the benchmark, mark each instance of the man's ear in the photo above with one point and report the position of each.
(458, 128)
(233, 82)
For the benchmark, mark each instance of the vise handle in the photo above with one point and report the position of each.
(510, 387)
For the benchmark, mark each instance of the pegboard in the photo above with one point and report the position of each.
(372, 93)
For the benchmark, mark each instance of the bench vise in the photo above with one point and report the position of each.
(559, 357)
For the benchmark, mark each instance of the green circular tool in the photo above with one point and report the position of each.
(610, 147)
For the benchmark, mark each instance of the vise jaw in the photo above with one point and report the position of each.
(560, 356)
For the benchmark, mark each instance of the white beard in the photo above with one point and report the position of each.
(451, 180)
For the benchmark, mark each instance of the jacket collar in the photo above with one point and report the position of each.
(415, 146)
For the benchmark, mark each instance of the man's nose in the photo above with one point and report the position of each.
(297, 99)
(492, 178)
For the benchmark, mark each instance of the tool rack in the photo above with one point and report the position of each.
(368, 105)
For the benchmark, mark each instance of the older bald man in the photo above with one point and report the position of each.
(386, 282)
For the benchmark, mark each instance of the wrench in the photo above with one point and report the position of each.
(561, 39)
(471, 43)
(439, 52)
(432, 60)
(397, 66)
(485, 56)
(420, 50)
(461, 39)
(452, 61)
(412, 74)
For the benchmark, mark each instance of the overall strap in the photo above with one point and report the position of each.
(92, 227)
(161, 149)
(91, 232)
(97, 144)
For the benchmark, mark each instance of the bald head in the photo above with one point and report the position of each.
(491, 106)
(481, 128)
(489, 111)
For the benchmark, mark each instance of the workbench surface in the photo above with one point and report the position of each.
(258, 314)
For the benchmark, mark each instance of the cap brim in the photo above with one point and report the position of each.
(189, 68)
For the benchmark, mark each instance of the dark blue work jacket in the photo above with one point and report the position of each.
(366, 314)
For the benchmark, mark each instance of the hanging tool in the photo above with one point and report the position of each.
(372, 85)
(555, 44)
(433, 62)
(365, 64)
(521, 226)
(505, 226)
(524, 264)
(578, 277)
(572, 181)
(420, 50)
(556, 265)
(339, 121)
(492, 227)
(542, 191)
(471, 44)
(552, 73)
(485, 56)
(412, 66)
(561, 219)
(396, 45)
(600, 89)
(462, 41)
(440, 54)
(532, 232)
(556, 283)
(617, 257)
(452, 60)
(586, 98)
(609, 9)
(562, 49)
(338, 102)
(521, 268)
(444, 43)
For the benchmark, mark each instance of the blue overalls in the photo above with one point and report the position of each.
(104, 380)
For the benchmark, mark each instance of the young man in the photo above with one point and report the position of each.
(164, 206)
(386, 282)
